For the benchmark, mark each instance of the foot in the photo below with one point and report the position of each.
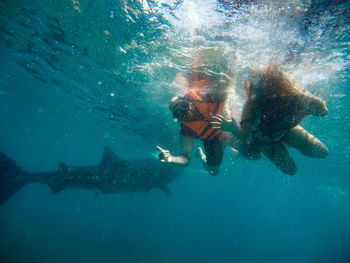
(234, 154)
(202, 154)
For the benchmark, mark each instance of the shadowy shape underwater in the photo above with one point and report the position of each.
(112, 175)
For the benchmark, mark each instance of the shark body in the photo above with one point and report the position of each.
(112, 175)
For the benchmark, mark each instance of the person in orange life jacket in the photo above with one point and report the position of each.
(194, 110)
(271, 117)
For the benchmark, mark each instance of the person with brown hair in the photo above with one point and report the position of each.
(270, 120)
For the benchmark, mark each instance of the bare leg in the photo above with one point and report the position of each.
(306, 143)
(202, 155)
(212, 169)
(280, 157)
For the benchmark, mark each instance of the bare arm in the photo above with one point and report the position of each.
(185, 155)
(228, 109)
(249, 116)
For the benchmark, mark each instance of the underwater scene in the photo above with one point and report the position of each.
(88, 136)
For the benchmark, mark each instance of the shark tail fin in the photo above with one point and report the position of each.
(10, 181)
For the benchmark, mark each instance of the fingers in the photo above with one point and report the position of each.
(223, 118)
(160, 149)
(215, 125)
(164, 155)
(218, 122)
(218, 118)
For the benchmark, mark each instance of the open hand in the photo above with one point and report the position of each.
(220, 122)
(164, 155)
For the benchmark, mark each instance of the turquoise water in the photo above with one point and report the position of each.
(78, 75)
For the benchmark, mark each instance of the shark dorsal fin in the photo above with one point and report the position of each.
(62, 167)
(108, 157)
(56, 188)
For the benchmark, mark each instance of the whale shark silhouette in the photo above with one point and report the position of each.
(112, 175)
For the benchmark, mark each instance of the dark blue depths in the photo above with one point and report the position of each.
(71, 84)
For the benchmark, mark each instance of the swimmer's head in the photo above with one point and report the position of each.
(254, 85)
(263, 83)
(213, 59)
(181, 108)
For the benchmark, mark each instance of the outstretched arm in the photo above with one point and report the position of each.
(183, 158)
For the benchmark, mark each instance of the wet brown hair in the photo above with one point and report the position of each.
(270, 82)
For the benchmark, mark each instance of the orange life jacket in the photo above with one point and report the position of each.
(207, 110)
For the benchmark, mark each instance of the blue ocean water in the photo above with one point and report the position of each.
(78, 75)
